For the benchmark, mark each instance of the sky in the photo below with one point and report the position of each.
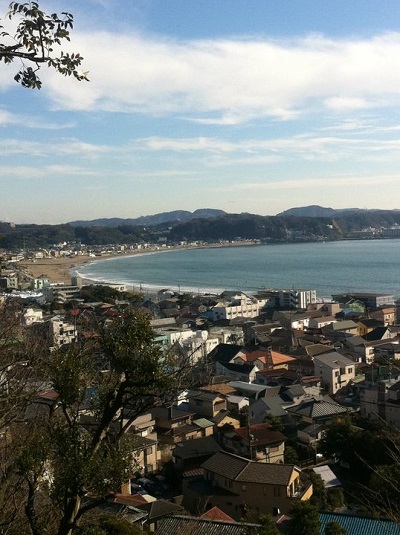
(241, 105)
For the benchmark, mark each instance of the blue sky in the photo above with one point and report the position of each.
(243, 105)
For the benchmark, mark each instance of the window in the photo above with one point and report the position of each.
(277, 492)
(149, 450)
(244, 488)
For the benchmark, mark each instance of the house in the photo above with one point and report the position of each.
(174, 425)
(206, 404)
(267, 406)
(224, 353)
(239, 372)
(258, 442)
(33, 315)
(145, 454)
(367, 325)
(381, 401)
(347, 327)
(62, 332)
(312, 416)
(239, 486)
(216, 514)
(157, 510)
(192, 453)
(318, 323)
(369, 300)
(385, 314)
(335, 371)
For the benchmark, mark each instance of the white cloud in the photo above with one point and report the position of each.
(231, 81)
(340, 181)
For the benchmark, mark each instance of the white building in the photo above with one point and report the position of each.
(240, 305)
(334, 370)
(62, 331)
(296, 298)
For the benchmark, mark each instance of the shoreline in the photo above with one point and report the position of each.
(61, 269)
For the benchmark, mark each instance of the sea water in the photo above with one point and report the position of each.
(329, 267)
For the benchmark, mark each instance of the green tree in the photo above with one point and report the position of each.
(305, 520)
(275, 421)
(33, 42)
(20, 355)
(319, 497)
(75, 452)
(268, 526)
(334, 528)
(291, 456)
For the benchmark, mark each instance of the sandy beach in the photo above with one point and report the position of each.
(55, 269)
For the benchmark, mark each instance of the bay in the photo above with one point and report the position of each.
(330, 267)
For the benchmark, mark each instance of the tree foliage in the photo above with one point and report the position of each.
(36, 42)
(268, 526)
(305, 519)
(68, 453)
(334, 528)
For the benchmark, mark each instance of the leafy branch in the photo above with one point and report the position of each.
(33, 43)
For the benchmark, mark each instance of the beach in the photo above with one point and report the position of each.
(55, 269)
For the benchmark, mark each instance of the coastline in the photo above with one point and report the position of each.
(61, 269)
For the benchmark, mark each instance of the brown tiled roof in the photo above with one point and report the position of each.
(280, 358)
(220, 388)
(254, 355)
(132, 500)
(261, 434)
(215, 513)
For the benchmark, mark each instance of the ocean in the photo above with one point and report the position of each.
(328, 267)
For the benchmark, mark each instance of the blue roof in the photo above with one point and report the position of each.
(360, 525)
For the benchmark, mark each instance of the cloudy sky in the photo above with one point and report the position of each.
(243, 105)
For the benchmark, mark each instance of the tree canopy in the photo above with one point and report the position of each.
(36, 41)
(68, 444)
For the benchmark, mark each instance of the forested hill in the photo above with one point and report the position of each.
(222, 227)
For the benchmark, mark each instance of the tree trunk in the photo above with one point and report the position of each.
(68, 521)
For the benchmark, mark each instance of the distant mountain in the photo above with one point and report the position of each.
(151, 220)
(203, 225)
(315, 211)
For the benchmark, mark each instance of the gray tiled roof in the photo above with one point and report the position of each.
(239, 469)
(317, 409)
(160, 508)
(176, 525)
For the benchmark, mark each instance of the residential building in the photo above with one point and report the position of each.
(312, 416)
(60, 293)
(381, 401)
(296, 298)
(370, 300)
(206, 404)
(258, 442)
(62, 332)
(145, 454)
(239, 486)
(174, 425)
(335, 371)
(240, 305)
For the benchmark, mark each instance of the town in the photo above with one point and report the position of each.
(283, 414)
